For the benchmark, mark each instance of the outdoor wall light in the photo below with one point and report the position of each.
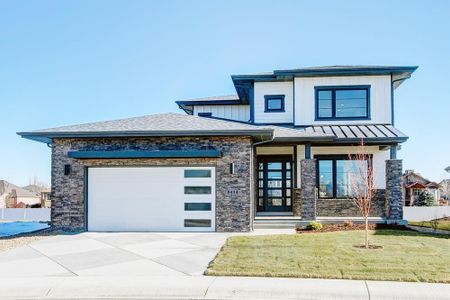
(67, 169)
(231, 168)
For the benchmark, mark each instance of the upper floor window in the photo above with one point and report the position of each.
(274, 103)
(342, 102)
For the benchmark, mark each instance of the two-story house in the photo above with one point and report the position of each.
(274, 153)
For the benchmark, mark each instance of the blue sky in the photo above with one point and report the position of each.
(69, 62)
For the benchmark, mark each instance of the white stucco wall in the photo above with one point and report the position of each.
(232, 112)
(288, 150)
(380, 98)
(273, 88)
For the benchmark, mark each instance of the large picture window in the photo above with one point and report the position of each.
(349, 102)
(335, 176)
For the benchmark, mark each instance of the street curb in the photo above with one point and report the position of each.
(208, 287)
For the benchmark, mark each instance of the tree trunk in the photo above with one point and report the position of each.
(366, 219)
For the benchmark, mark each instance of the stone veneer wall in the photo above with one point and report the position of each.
(394, 188)
(348, 208)
(297, 202)
(233, 212)
(308, 190)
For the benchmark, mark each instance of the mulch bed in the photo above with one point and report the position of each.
(350, 227)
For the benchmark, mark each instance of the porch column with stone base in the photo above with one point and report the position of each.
(308, 189)
(394, 189)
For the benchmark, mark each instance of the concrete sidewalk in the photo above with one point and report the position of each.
(204, 287)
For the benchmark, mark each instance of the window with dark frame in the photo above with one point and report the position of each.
(274, 103)
(205, 114)
(334, 175)
(197, 206)
(197, 190)
(197, 173)
(197, 223)
(342, 102)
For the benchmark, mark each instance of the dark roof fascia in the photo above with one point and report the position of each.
(145, 154)
(46, 137)
(283, 75)
(209, 102)
(347, 71)
(342, 141)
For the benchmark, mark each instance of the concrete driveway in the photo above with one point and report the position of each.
(114, 254)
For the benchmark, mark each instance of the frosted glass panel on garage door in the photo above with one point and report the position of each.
(146, 199)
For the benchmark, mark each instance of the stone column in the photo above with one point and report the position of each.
(394, 189)
(297, 202)
(308, 194)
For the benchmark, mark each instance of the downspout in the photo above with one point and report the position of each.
(393, 149)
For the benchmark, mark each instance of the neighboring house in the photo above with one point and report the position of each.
(41, 190)
(444, 190)
(414, 183)
(14, 196)
(278, 150)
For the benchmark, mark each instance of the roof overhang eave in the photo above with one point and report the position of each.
(281, 75)
(46, 137)
(334, 140)
(304, 139)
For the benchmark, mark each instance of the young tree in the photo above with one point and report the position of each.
(361, 184)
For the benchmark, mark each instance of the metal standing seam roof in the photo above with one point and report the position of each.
(374, 132)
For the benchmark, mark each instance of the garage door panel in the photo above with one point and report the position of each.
(146, 199)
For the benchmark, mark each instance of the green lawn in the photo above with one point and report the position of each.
(406, 256)
(442, 225)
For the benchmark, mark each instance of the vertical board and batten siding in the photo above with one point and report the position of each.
(380, 98)
(262, 89)
(231, 112)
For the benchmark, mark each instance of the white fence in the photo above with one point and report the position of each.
(422, 213)
(25, 214)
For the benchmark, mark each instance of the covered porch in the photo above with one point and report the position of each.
(297, 182)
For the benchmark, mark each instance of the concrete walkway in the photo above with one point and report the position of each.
(428, 230)
(204, 287)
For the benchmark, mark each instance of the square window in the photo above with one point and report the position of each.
(274, 103)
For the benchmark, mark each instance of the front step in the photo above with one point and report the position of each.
(278, 222)
(290, 222)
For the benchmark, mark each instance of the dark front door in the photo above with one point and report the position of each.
(274, 183)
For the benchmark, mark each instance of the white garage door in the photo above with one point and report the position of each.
(151, 199)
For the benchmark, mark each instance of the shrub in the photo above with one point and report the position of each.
(348, 223)
(313, 225)
(424, 198)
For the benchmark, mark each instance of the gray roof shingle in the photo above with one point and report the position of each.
(171, 124)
